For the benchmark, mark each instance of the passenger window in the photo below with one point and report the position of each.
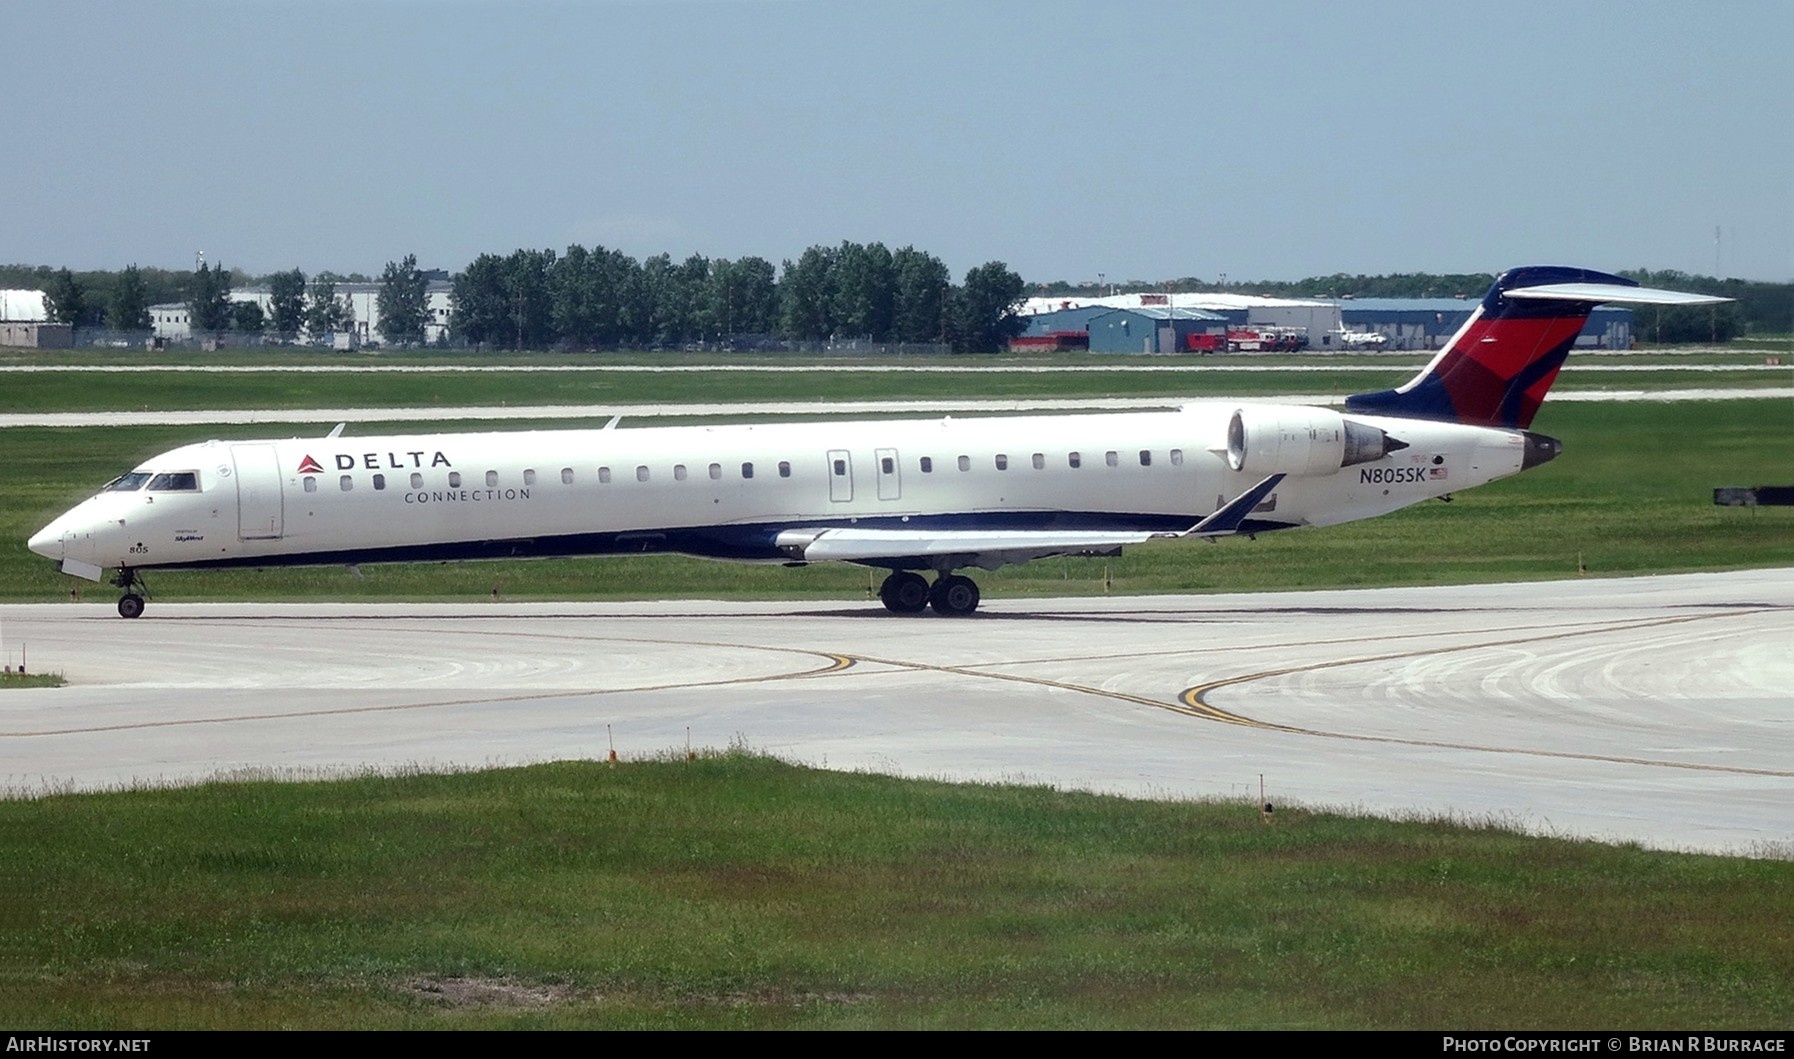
(566, 476)
(927, 465)
(747, 470)
(1177, 457)
(1146, 457)
(604, 476)
(716, 472)
(379, 482)
(1112, 458)
(965, 463)
(641, 473)
(491, 479)
(840, 468)
(888, 465)
(311, 484)
(1040, 461)
(784, 469)
(1075, 459)
(678, 472)
(417, 480)
(529, 477)
(454, 479)
(1002, 462)
(348, 483)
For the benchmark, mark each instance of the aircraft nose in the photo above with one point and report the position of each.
(47, 542)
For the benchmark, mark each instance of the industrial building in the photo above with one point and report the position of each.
(173, 321)
(1149, 329)
(1408, 323)
(1426, 323)
(24, 322)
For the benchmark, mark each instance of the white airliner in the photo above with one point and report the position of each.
(935, 495)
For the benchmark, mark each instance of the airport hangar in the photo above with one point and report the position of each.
(1163, 323)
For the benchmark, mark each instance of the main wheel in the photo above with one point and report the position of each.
(130, 605)
(954, 596)
(904, 593)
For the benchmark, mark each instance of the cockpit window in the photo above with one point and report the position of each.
(126, 483)
(175, 482)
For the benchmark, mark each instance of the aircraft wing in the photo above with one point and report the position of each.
(923, 549)
(989, 549)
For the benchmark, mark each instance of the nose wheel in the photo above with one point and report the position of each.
(130, 605)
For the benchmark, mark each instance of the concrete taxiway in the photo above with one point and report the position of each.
(1656, 710)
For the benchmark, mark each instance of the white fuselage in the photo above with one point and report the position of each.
(729, 491)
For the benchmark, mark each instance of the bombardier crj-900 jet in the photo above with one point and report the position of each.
(915, 497)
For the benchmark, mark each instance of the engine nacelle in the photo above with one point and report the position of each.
(1296, 440)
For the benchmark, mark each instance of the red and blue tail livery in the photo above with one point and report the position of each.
(1495, 371)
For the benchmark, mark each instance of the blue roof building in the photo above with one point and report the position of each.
(1426, 323)
(1149, 329)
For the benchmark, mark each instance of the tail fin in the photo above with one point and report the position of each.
(1496, 369)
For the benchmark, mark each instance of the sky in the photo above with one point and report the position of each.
(1269, 139)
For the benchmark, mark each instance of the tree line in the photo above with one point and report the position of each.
(585, 299)
(600, 298)
(121, 300)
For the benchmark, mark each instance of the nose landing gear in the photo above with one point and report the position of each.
(130, 605)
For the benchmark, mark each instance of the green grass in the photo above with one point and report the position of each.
(740, 892)
(10, 679)
(160, 391)
(63, 392)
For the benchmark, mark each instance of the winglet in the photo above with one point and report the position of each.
(1228, 518)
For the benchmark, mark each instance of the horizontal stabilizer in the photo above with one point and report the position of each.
(1610, 292)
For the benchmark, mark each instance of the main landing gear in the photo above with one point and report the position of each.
(130, 605)
(909, 593)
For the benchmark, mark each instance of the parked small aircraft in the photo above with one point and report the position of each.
(910, 496)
